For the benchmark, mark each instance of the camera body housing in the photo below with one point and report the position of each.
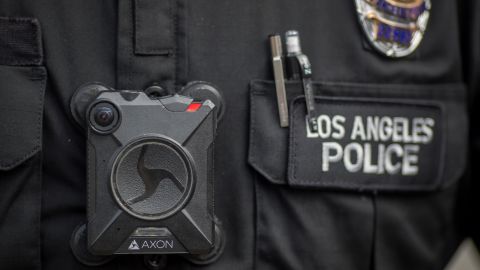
(150, 174)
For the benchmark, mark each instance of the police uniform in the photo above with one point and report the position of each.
(381, 185)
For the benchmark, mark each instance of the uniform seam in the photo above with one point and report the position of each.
(16, 161)
(39, 211)
(253, 145)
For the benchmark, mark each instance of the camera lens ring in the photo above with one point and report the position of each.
(190, 180)
(104, 117)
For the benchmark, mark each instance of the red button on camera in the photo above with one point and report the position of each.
(194, 106)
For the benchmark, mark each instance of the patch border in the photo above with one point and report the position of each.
(302, 183)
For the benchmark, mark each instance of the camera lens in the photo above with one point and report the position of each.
(104, 116)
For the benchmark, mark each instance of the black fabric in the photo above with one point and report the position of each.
(20, 41)
(297, 239)
(20, 117)
(22, 92)
(146, 27)
(470, 28)
(155, 27)
(20, 210)
(406, 228)
(369, 144)
(225, 42)
(287, 156)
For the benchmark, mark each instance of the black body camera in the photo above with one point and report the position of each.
(150, 169)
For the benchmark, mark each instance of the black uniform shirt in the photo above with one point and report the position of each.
(284, 201)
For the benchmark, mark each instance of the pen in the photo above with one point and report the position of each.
(276, 47)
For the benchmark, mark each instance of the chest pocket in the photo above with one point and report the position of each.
(370, 137)
(381, 153)
(22, 88)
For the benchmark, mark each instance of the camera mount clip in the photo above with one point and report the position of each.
(150, 173)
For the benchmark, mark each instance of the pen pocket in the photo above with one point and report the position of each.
(370, 137)
(398, 141)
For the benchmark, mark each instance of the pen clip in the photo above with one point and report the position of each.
(306, 74)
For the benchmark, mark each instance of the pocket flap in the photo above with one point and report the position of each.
(21, 110)
(22, 87)
(370, 137)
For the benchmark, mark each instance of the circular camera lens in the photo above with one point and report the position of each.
(104, 116)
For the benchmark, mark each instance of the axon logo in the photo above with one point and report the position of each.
(133, 246)
(151, 244)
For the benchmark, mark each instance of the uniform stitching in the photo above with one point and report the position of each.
(35, 44)
(272, 176)
(339, 182)
(260, 87)
(141, 49)
(16, 161)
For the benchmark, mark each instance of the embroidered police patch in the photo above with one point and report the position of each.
(379, 144)
(394, 27)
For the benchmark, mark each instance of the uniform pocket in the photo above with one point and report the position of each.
(370, 137)
(21, 109)
(22, 88)
(389, 139)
